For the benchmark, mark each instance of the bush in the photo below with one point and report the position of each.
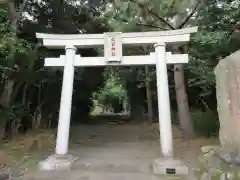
(205, 123)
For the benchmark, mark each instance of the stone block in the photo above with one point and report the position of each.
(165, 166)
(57, 162)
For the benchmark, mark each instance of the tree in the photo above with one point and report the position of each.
(14, 46)
(14, 17)
(216, 39)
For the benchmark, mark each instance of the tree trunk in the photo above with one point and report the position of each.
(25, 88)
(137, 112)
(149, 96)
(37, 118)
(7, 92)
(15, 91)
(15, 127)
(182, 102)
(5, 101)
(2, 129)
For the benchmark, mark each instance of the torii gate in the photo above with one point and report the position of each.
(113, 56)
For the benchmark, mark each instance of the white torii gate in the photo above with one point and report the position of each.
(113, 56)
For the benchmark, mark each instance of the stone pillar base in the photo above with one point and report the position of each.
(57, 162)
(169, 166)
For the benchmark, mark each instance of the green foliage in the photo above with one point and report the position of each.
(4, 31)
(17, 111)
(36, 88)
(218, 36)
(205, 123)
(13, 50)
(112, 91)
(215, 40)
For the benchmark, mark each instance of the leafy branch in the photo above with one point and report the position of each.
(154, 14)
(116, 17)
(186, 19)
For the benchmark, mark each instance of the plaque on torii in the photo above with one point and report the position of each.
(113, 47)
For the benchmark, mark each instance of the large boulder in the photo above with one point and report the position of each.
(228, 97)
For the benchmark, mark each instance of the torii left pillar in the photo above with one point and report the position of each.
(62, 160)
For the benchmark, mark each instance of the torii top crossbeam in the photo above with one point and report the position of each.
(85, 40)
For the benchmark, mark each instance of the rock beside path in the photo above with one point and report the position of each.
(217, 165)
(228, 89)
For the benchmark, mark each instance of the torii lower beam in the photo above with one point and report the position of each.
(126, 61)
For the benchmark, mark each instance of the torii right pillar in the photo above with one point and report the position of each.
(167, 164)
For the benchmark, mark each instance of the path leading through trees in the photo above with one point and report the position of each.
(121, 151)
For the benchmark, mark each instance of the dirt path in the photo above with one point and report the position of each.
(113, 152)
(141, 141)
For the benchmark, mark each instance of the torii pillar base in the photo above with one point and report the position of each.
(169, 166)
(57, 163)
